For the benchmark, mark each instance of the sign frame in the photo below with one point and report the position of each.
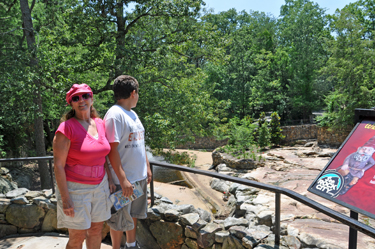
(329, 176)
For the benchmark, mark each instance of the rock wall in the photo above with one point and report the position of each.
(203, 143)
(331, 137)
(24, 211)
(299, 132)
(323, 135)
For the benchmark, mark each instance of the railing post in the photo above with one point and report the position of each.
(353, 232)
(51, 173)
(152, 185)
(277, 218)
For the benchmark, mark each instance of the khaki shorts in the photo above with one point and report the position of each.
(122, 219)
(91, 204)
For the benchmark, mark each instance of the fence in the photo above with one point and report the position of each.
(351, 221)
(27, 159)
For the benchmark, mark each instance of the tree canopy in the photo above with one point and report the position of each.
(197, 70)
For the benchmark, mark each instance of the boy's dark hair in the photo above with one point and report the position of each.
(124, 85)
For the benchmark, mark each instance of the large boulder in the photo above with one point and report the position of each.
(24, 216)
(219, 157)
(144, 236)
(6, 185)
(23, 176)
(168, 235)
(7, 230)
(50, 221)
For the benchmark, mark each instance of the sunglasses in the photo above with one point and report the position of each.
(78, 97)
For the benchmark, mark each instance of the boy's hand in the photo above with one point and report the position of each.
(112, 186)
(127, 188)
(149, 175)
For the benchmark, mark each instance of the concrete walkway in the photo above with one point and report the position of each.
(45, 241)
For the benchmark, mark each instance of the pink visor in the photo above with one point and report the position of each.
(77, 89)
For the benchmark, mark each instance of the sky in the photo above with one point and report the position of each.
(269, 6)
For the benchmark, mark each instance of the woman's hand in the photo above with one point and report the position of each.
(68, 207)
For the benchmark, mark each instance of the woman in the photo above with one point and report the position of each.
(79, 149)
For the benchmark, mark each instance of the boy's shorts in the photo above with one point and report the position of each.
(122, 219)
(91, 204)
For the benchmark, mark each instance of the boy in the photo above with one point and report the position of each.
(128, 159)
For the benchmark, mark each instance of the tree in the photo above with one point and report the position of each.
(303, 33)
(21, 112)
(45, 178)
(161, 43)
(350, 66)
(240, 80)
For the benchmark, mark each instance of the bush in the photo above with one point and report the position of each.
(263, 136)
(275, 129)
(174, 157)
(240, 135)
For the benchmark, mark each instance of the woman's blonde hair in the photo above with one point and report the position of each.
(70, 114)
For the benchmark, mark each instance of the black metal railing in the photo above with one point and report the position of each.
(27, 159)
(352, 222)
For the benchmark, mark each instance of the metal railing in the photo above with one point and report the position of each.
(27, 159)
(352, 221)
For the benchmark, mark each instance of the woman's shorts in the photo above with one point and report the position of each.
(122, 219)
(91, 204)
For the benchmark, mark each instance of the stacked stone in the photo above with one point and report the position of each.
(183, 226)
(24, 211)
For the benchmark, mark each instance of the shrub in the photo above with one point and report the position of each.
(275, 129)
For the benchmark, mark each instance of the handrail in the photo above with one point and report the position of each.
(353, 223)
(23, 159)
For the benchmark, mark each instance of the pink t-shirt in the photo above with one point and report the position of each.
(84, 151)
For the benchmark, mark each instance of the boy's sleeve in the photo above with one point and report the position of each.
(113, 130)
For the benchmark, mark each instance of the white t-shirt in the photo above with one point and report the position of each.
(124, 127)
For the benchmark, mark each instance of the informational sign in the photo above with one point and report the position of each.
(349, 177)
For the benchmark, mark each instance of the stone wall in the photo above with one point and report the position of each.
(24, 211)
(323, 135)
(299, 132)
(203, 143)
(330, 137)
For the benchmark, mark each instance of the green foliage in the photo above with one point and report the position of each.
(263, 135)
(240, 135)
(175, 157)
(200, 73)
(244, 77)
(349, 68)
(275, 129)
(2, 143)
(303, 33)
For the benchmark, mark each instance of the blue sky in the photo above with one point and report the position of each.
(269, 6)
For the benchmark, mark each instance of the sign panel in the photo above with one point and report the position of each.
(349, 177)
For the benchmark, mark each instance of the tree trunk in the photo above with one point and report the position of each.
(120, 38)
(45, 178)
